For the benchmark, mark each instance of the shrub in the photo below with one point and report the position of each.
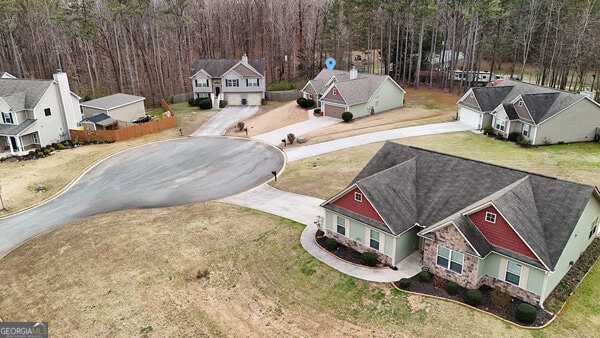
(317, 111)
(368, 259)
(331, 244)
(301, 102)
(192, 102)
(425, 276)
(499, 299)
(291, 137)
(51, 149)
(489, 130)
(240, 125)
(31, 153)
(263, 102)
(404, 283)
(46, 151)
(223, 104)
(310, 103)
(347, 116)
(2, 159)
(452, 288)
(438, 282)
(40, 154)
(500, 137)
(526, 313)
(60, 146)
(473, 297)
(512, 137)
(53, 145)
(170, 99)
(523, 141)
(205, 104)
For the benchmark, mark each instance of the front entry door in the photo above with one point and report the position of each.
(13, 141)
(217, 91)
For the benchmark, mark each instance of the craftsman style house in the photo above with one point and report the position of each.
(542, 115)
(361, 94)
(239, 82)
(36, 112)
(475, 223)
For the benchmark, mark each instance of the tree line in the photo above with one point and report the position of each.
(146, 47)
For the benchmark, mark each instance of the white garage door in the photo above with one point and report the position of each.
(254, 99)
(234, 99)
(469, 117)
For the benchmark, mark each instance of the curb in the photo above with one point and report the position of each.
(477, 309)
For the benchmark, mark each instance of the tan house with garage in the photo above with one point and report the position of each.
(542, 115)
(359, 93)
(121, 107)
(239, 82)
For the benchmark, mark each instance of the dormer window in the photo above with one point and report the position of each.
(358, 197)
(490, 217)
(334, 91)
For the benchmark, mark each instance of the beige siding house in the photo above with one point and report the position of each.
(542, 115)
(121, 107)
(361, 94)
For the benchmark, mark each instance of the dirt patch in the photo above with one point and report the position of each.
(270, 118)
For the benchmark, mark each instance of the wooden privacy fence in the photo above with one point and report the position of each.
(123, 134)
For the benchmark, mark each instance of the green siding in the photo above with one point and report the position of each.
(489, 266)
(357, 232)
(388, 248)
(359, 110)
(329, 220)
(535, 281)
(406, 244)
(578, 242)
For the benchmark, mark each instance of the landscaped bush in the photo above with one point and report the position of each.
(500, 137)
(523, 141)
(60, 146)
(241, 125)
(489, 130)
(317, 111)
(310, 103)
(192, 102)
(170, 99)
(425, 276)
(452, 288)
(205, 104)
(301, 102)
(31, 153)
(347, 116)
(526, 313)
(223, 104)
(473, 297)
(291, 137)
(404, 283)
(39, 154)
(2, 159)
(51, 149)
(331, 244)
(512, 137)
(499, 299)
(369, 259)
(46, 151)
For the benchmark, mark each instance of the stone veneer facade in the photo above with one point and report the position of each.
(383, 258)
(451, 238)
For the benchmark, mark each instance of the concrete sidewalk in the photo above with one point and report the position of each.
(298, 153)
(274, 137)
(305, 209)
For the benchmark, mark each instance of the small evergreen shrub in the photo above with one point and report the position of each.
(514, 136)
(526, 313)
(331, 244)
(404, 283)
(40, 154)
(473, 297)
(192, 102)
(347, 116)
(223, 104)
(31, 153)
(488, 130)
(291, 137)
(240, 125)
(301, 102)
(523, 141)
(452, 288)
(205, 104)
(310, 103)
(317, 111)
(60, 146)
(500, 137)
(368, 259)
(425, 276)
(2, 159)
(53, 145)
(51, 149)
(46, 151)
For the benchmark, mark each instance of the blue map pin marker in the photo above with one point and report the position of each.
(330, 63)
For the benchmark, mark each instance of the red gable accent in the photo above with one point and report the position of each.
(500, 233)
(334, 95)
(363, 208)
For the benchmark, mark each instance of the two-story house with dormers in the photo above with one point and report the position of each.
(36, 112)
(475, 223)
(541, 114)
(239, 82)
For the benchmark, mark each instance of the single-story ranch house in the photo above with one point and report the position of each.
(121, 107)
(361, 94)
(239, 82)
(542, 115)
(475, 223)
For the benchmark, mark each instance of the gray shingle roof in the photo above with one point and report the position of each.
(319, 82)
(510, 111)
(217, 67)
(33, 89)
(360, 89)
(112, 101)
(101, 119)
(15, 129)
(444, 185)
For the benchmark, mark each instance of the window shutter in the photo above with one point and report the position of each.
(246, 82)
(258, 82)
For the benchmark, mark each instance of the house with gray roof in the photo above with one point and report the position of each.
(475, 223)
(36, 113)
(542, 115)
(6, 75)
(359, 93)
(239, 82)
(121, 107)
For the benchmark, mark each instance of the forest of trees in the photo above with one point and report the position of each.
(145, 47)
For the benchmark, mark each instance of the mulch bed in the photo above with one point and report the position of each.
(345, 253)
(506, 310)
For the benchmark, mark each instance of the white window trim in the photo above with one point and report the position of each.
(358, 197)
(252, 83)
(487, 213)
(498, 124)
(503, 268)
(232, 83)
(35, 138)
(346, 227)
(378, 240)
(525, 130)
(450, 252)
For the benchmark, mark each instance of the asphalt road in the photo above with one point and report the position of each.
(162, 174)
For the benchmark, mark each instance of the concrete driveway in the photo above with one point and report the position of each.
(313, 123)
(227, 117)
(161, 174)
